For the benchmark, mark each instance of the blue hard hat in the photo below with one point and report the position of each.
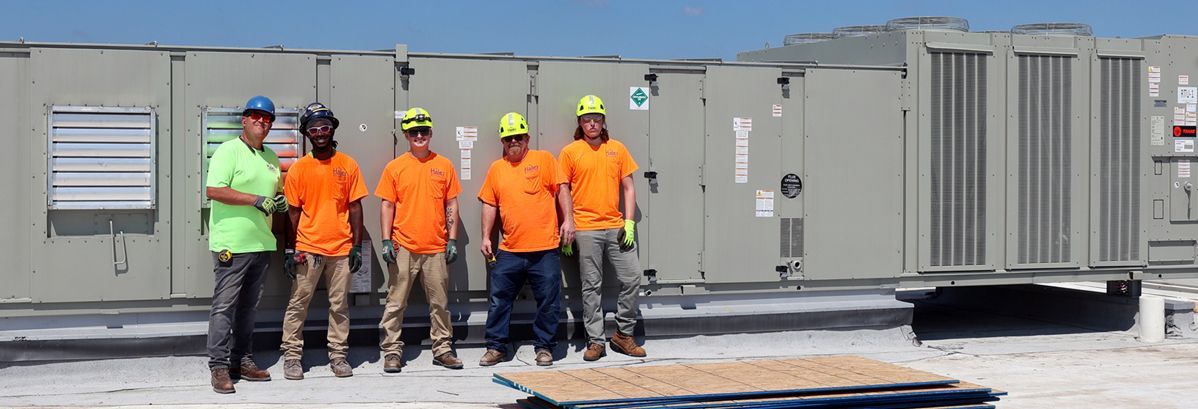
(260, 103)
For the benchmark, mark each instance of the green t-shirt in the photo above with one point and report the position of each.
(242, 229)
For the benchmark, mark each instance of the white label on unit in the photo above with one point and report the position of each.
(1183, 79)
(465, 144)
(1187, 95)
(466, 133)
(1183, 169)
(765, 203)
(1183, 146)
(1158, 130)
(742, 142)
(777, 110)
(465, 174)
(1154, 77)
(742, 124)
(638, 98)
(466, 153)
(399, 114)
(742, 134)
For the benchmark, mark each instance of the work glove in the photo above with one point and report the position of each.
(388, 252)
(627, 237)
(451, 251)
(355, 258)
(290, 259)
(568, 249)
(268, 205)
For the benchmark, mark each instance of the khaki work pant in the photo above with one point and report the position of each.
(335, 269)
(434, 278)
(593, 247)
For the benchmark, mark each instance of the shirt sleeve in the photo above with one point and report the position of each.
(452, 188)
(627, 164)
(566, 164)
(486, 194)
(221, 168)
(293, 189)
(554, 177)
(357, 187)
(386, 188)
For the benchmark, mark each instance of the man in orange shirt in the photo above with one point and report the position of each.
(523, 188)
(599, 169)
(324, 190)
(420, 213)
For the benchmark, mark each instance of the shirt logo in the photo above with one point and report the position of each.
(340, 174)
(436, 172)
(612, 154)
(532, 169)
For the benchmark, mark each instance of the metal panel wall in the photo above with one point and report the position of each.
(114, 254)
(745, 93)
(224, 80)
(853, 175)
(15, 240)
(1117, 199)
(455, 95)
(675, 195)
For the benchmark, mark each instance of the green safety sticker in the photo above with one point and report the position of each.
(638, 99)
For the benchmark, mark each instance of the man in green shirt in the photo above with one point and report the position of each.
(243, 183)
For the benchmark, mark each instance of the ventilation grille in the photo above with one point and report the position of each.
(791, 237)
(101, 158)
(1045, 183)
(958, 158)
(1119, 161)
(224, 124)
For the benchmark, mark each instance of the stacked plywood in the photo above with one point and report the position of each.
(820, 382)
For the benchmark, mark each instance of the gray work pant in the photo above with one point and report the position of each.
(234, 304)
(593, 247)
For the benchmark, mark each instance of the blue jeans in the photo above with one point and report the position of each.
(542, 270)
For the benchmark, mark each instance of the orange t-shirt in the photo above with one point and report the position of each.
(594, 173)
(323, 190)
(419, 189)
(526, 195)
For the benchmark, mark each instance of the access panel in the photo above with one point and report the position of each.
(674, 173)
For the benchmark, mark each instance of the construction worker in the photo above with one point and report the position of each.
(420, 215)
(523, 187)
(324, 192)
(599, 170)
(243, 183)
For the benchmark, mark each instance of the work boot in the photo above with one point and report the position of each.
(392, 363)
(341, 368)
(221, 383)
(292, 369)
(544, 357)
(448, 360)
(626, 345)
(490, 358)
(595, 351)
(249, 371)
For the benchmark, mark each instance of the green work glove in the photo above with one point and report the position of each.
(568, 249)
(451, 251)
(628, 235)
(281, 205)
(355, 258)
(388, 252)
(268, 205)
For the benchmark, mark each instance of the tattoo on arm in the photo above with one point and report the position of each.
(449, 218)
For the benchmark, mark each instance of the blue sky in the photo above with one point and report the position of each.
(634, 29)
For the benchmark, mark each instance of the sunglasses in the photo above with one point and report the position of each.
(323, 129)
(511, 139)
(260, 117)
(420, 131)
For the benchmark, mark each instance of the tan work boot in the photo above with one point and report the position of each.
(341, 368)
(544, 357)
(490, 358)
(448, 360)
(249, 371)
(292, 369)
(392, 363)
(221, 383)
(626, 345)
(595, 351)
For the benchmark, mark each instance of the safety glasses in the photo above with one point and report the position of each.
(420, 131)
(260, 117)
(591, 118)
(511, 139)
(320, 130)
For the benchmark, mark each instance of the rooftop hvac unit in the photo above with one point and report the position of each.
(1060, 29)
(859, 31)
(807, 38)
(928, 23)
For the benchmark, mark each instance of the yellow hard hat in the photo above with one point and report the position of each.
(591, 104)
(415, 118)
(512, 124)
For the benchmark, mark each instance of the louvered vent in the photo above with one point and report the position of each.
(101, 158)
(1119, 160)
(1045, 108)
(791, 237)
(958, 159)
(224, 124)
